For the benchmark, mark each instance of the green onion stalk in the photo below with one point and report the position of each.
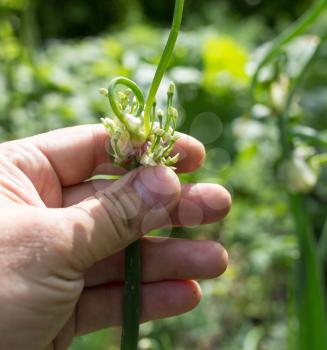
(300, 179)
(141, 135)
(311, 299)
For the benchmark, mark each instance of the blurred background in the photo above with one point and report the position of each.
(56, 54)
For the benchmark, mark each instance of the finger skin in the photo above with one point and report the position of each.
(191, 153)
(134, 205)
(101, 307)
(199, 203)
(165, 259)
(78, 152)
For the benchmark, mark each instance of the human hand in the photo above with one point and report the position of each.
(61, 238)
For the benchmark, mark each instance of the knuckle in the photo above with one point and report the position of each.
(121, 209)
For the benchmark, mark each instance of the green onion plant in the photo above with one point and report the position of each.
(141, 134)
(300, 177)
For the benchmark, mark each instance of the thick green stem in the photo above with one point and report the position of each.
(132, 297)
(163, 64)
(30, 30)
(322, 246)
(310, 285)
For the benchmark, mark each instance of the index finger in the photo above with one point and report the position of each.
(79, 152)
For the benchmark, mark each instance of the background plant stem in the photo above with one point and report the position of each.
(312, 332)
(310, 290)
(322, 246)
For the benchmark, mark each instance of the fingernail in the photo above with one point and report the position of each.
(157, 186)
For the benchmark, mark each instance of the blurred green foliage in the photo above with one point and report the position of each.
(48, 84)
(77, 18)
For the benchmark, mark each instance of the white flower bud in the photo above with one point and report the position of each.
(122, 96)
(279, 91)
(173, 112)
(147, 159)
(103, 91)
(133, 122)
(160, 112)
(159, 132)
(171, 89)
(173, 160)
(297, 175)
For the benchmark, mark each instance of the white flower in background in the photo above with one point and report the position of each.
(297, 175)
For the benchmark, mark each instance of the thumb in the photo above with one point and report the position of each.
(114, 218)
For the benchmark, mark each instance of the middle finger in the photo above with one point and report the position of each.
(199, 203)
(165, 259)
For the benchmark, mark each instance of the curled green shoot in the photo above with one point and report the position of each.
(119, 109)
